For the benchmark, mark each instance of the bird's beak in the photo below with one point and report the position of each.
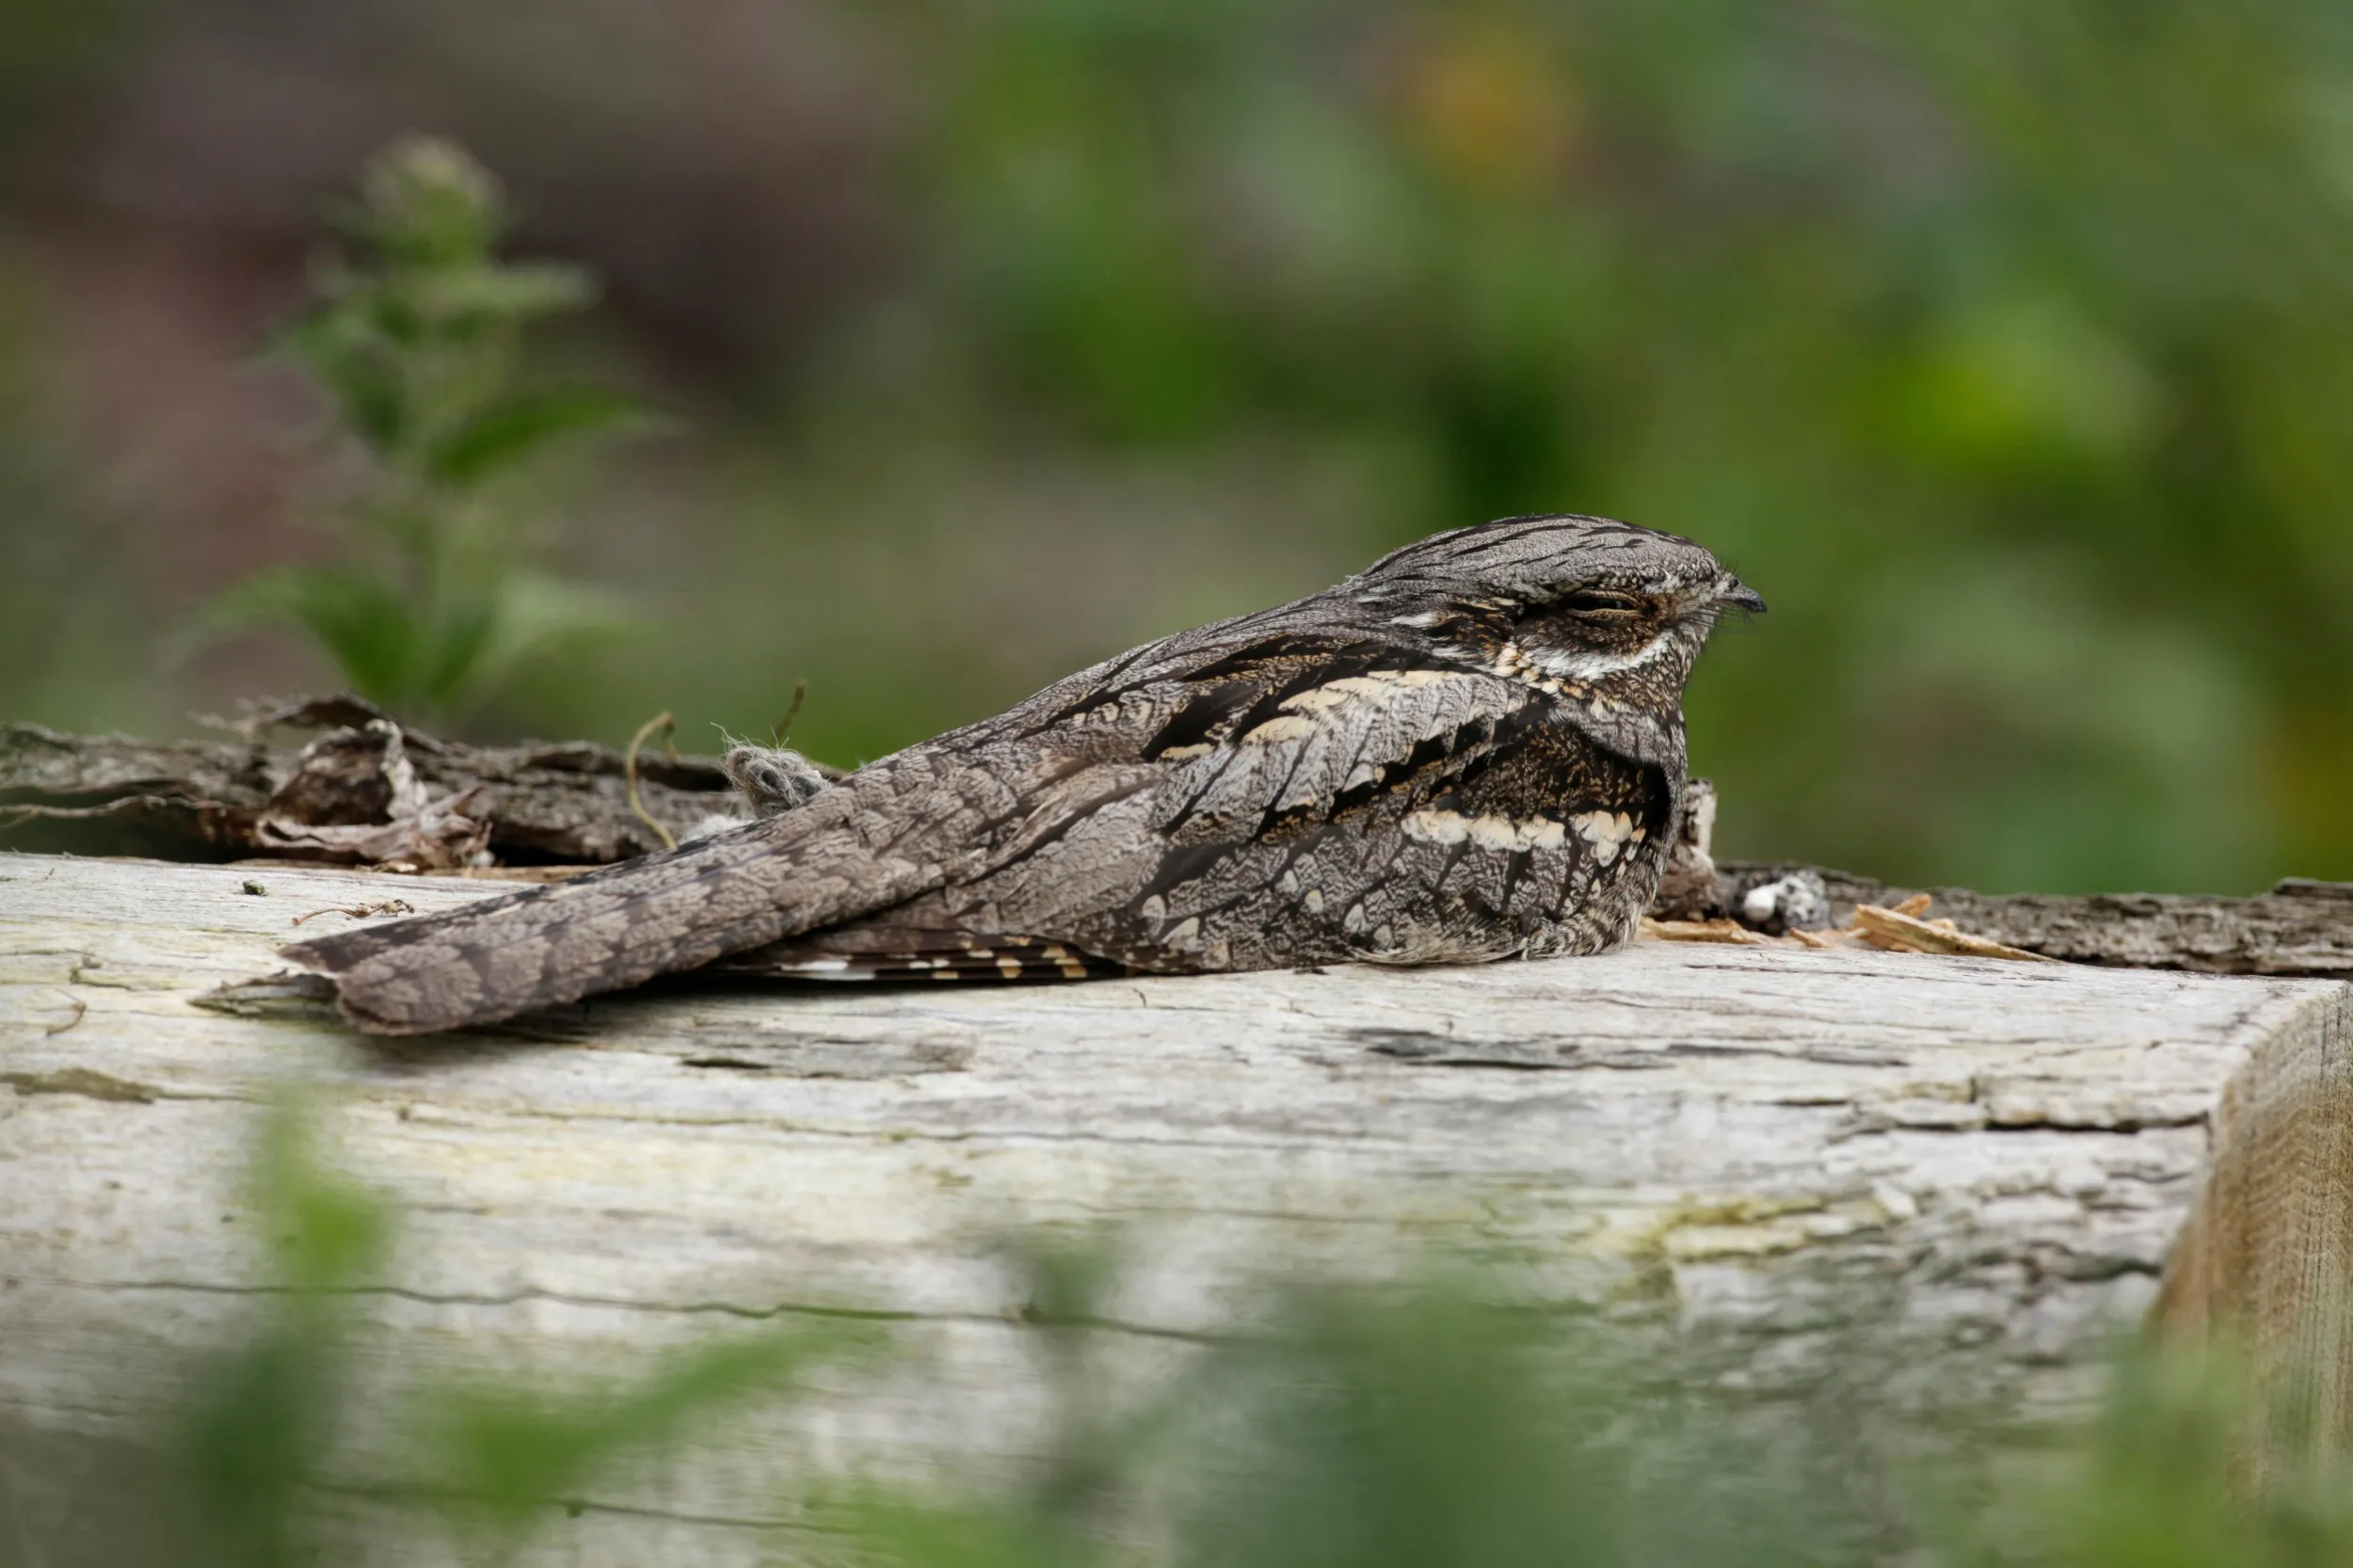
(1739, 594)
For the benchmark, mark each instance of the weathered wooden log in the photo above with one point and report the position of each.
(1947, 1180)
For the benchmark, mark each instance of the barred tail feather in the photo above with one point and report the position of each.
(623, 925)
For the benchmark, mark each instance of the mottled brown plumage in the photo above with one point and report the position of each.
(1472, 750)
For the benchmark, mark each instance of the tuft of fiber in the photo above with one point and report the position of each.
(772, 779)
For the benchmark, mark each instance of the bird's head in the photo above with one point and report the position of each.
(1587, 607)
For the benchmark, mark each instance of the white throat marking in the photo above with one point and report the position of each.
(1563, 665)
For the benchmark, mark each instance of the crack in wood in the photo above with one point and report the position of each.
(84, 1082)
(1013, 1316)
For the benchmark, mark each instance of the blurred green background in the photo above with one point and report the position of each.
(2008, 348)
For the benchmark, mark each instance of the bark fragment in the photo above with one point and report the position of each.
(364, 790)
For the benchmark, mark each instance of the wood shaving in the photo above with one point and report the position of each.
(1901, 929)
(1895, 931)
(1729, 932)
(361, 911)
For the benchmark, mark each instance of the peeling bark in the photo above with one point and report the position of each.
(242, 796)
(2298, 928)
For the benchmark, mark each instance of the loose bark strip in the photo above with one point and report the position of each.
(242, 796)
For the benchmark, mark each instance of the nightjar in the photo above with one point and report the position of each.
(1472, 750)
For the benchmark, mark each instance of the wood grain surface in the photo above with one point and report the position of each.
(1952, 1179)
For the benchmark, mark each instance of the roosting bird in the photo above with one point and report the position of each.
(1472, 750)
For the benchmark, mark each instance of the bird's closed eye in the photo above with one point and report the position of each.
(1600, 601)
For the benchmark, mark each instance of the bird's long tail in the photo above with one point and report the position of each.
(868, 844)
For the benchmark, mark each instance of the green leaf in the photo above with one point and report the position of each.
(514, 429)
(262, 1415)
(455, 649)
(515, 1450)
(358, 367)
(484, 630)
(535, 618)
(500, 293)
(541, 613)
(362, 621)
(365, 624)
(330, 1233)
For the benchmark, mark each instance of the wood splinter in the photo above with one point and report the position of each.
(362, 911)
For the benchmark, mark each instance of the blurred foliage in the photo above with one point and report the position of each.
(2190, 1464)
(2006, 348)
(264, 1431)
(1359, 1428)
(415, 349)
(264, 1412)
(1355, 1426)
